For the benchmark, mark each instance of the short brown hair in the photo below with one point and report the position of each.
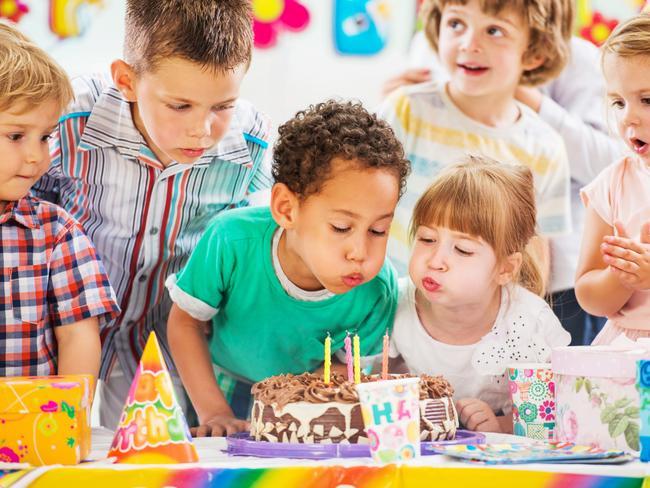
(549, 22)
(216, 34)
(488, 199)
(309, 142)
(28, 75)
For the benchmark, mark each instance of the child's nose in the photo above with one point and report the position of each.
(34, 153)
(438, 261)
(201, 127)
(470, 41)
(358, 249)
(630, 116)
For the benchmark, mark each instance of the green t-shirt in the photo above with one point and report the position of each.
(258, 330)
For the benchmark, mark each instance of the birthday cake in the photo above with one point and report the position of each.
(303, 409)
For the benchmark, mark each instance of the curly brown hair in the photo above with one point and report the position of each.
(310, 141)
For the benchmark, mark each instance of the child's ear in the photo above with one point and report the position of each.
(284, 205)
(509, 268)
(124, 79)
(533, 61)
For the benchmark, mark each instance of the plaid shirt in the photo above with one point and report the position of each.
(51, 277)
(145, 218)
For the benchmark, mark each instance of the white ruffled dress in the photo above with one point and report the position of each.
(525, 330)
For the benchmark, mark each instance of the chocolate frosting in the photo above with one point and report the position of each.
(309, 387)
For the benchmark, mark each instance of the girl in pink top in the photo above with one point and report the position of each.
(613, 277)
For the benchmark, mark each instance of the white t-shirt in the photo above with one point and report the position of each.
(525, 330)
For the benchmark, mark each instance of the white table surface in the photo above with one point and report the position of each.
(211, 454)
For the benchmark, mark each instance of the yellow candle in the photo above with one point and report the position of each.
(328, 359)
(356, 350)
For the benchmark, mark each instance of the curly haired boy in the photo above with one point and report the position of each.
(273, 282)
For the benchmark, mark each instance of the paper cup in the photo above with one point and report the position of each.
(391, 414)
(533, 400)
(643, 385)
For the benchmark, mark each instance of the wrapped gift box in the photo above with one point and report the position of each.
(45, 420)
(597, 402)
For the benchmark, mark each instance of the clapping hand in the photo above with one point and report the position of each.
(628, 259)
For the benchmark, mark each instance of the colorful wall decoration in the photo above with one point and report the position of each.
(272, 16)
(360, 26)
(13, 9)
(67, 18)
(595, 19)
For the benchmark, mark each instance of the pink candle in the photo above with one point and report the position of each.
(348, 357)
(384, 359)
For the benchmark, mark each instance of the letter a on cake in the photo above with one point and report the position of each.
(152, 428)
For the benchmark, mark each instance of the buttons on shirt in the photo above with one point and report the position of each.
(154, 231)
(143, 278)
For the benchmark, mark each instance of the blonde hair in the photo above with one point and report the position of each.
(630, 38)
(490, 200)
(28, 75)
(549, 22)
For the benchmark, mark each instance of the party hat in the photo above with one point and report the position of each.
(152, 428)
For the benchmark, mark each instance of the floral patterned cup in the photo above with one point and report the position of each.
(533, 400)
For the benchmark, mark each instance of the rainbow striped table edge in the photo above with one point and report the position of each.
(391, 476)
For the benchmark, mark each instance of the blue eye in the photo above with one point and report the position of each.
(455, 24)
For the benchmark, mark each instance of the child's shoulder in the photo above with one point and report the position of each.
(430, 94)
(51, 219)
(538, 129)
(254, 124)
(242, 224)
(521, 298)
(87, 90)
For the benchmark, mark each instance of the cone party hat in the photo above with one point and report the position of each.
(152, 428)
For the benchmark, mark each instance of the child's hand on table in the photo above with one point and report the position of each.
(477, 415)
(628, 259)
(220, 426)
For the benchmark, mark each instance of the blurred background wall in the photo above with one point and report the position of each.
(306, 50)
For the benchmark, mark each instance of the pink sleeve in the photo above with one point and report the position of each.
(599, 194)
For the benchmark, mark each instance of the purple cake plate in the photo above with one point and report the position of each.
(242, 444)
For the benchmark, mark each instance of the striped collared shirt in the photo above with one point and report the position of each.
(145, 218)
(50, 277)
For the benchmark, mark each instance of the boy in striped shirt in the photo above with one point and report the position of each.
(55, 292)
(145, 158)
